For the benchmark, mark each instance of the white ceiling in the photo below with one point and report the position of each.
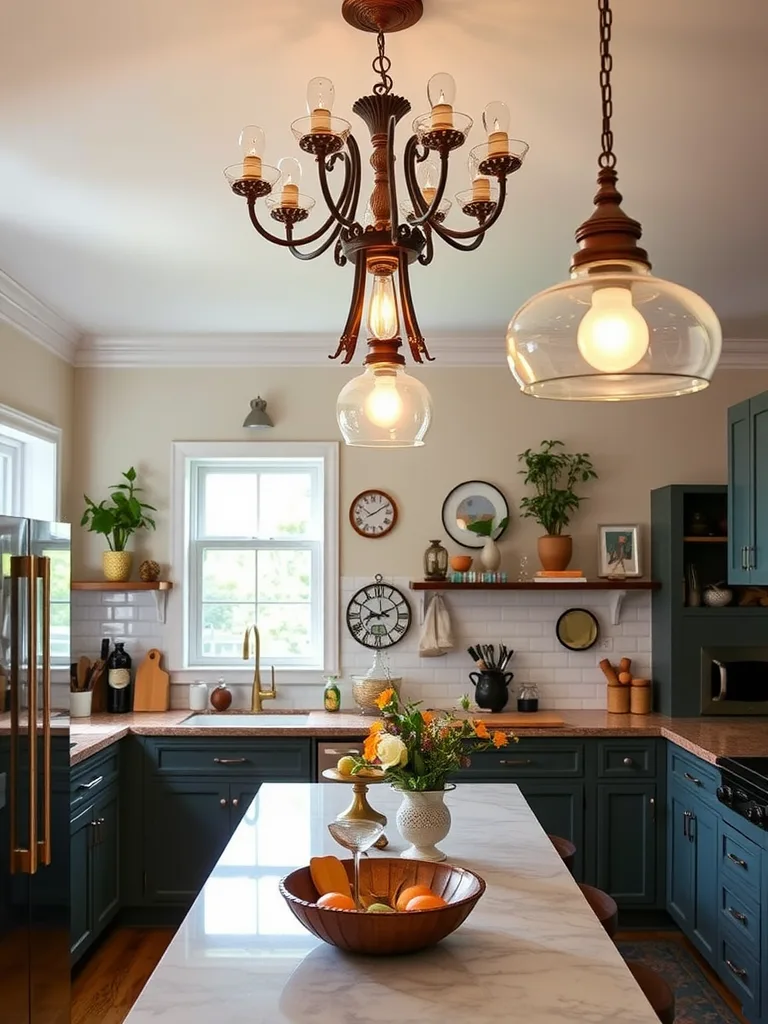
(117, 118)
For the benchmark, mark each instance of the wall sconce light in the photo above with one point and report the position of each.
(258, 418)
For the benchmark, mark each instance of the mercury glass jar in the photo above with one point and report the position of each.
(435, 561)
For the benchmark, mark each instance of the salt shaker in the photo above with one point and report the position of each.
(198, 696)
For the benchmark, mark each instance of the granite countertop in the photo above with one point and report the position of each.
(708, 738)
(531, 943)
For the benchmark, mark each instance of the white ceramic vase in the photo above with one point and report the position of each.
(490, 556)
(423, 820)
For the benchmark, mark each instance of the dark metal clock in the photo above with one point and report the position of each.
(378, 615)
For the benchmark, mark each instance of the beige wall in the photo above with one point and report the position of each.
(38, 383)
(481, 422)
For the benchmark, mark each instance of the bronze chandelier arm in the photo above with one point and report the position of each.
(286, 243)
(348, 340)
(323, 247)
(345, 202)
(336, 211)
(448, 234)
(425, 257)
(410, 158)
(412, 329)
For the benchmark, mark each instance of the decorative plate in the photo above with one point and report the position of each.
(577, 629)
(472, 502)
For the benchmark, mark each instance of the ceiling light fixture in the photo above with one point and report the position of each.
(612, 332)
(384, 407)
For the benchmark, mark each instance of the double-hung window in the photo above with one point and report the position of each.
(29, 465)
(261, 549)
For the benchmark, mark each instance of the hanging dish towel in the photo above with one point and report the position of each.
(436, 634)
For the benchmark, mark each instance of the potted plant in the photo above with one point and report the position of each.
(118, 518)
(490, 556)
(554, 474)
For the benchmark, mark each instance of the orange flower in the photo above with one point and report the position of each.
(384, 698)
(369, 747)
(427, 717)
(499, 739)
(376, 726)
(481, 731)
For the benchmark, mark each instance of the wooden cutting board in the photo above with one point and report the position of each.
(522, 720)
(152, 689)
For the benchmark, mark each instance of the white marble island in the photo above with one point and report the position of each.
(531, 951)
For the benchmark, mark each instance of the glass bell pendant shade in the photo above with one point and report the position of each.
(612, 333)
(384, 408)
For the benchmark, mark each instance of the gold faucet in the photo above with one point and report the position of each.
(257, 694)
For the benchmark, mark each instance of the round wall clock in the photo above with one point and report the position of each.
(378, 615)
(373, 513)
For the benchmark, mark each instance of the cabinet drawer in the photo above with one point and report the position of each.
(522, 760)
(739, 860)
(741, 973)
(93, 776)
(694, 775)
(625, 759)
(278, 760)
(740, 916)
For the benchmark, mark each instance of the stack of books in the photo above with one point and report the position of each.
(566, 576)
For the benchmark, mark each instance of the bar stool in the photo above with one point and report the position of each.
(565, 848)
(654, 988)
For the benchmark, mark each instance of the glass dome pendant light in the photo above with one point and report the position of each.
(613, 332)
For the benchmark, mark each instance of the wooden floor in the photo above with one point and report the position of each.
(109, 983)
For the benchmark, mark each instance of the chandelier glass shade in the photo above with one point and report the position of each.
(613, 332)
(384, 407)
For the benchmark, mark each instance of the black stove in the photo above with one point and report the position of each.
(744, 787)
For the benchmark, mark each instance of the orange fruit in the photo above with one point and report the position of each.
(336, 901)
(430, 902)
(409, 893)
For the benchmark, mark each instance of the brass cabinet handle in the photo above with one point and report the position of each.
(43, 573)
(628, 762)
(692, 778)
(223, 802)
(737, 860)
(517, 761)
(738, 971)
(741, 918)
(92, 784)
(230, 760)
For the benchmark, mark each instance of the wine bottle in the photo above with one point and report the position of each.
(119, 689)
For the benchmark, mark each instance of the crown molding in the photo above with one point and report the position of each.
(242, 350)
(22, 310)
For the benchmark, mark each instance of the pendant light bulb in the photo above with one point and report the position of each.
(384, 407)
(382, 310)
(613, 335)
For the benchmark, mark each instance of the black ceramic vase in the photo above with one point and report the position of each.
(491, 689)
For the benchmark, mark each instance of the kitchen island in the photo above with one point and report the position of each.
(532, 949)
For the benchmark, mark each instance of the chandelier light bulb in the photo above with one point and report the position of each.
(252, 143)
(613, 335)
(496, 120)
(441, 93)
(320, 97)
(290, 176)
(384, 408)
(428, 177)
(382, 311)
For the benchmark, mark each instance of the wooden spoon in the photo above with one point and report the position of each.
(83, 668)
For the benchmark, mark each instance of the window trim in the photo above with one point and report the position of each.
(183, 506)
(41, 431)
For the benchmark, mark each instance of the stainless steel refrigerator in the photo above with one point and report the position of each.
(34, 773)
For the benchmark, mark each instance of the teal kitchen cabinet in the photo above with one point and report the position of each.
(559, 809)
(626, 841)
(748, 491)
(80, 888)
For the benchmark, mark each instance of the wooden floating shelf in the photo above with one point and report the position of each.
(705, 540)
(632, 584)
(128, 585)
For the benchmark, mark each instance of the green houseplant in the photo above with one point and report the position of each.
(118, 518)
(553, 474)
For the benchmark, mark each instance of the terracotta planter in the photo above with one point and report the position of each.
(116, 566)
(555, 552)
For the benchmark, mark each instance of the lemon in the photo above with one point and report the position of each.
(380, 908)
(345, 765)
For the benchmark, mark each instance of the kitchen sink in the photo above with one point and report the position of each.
(236, 721)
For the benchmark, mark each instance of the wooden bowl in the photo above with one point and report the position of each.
(461, 563)
(387, 934)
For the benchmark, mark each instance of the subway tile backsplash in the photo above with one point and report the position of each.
(524, 620)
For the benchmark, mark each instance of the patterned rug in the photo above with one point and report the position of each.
(696, 1001)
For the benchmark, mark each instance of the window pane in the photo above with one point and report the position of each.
(224, 626)
(230, 505)
(285, 504)
(284, 575)
(229, 575)
(284, 630)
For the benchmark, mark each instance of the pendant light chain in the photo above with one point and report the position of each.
(381, 65)
(607, 156)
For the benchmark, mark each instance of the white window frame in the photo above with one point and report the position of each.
(18, 454)
(188, 460)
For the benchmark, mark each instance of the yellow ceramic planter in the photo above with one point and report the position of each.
(116, 566)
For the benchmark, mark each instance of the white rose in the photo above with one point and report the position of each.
(391, 751)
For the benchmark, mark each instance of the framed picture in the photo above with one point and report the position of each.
(474, 502)
(618, 551)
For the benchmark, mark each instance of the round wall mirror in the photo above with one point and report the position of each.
(577, 629)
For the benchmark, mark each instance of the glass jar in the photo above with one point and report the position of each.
(331, 694)
(435, 561)
(528, 699)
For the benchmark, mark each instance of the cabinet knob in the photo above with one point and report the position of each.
(628, 762)
(223, 801)
(235, 802)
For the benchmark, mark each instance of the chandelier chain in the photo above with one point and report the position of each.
(607, 156)
(381, 65)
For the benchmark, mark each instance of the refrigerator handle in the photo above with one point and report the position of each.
(24, 859)
(43, 573)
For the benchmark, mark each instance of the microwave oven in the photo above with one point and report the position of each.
(734, 681)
